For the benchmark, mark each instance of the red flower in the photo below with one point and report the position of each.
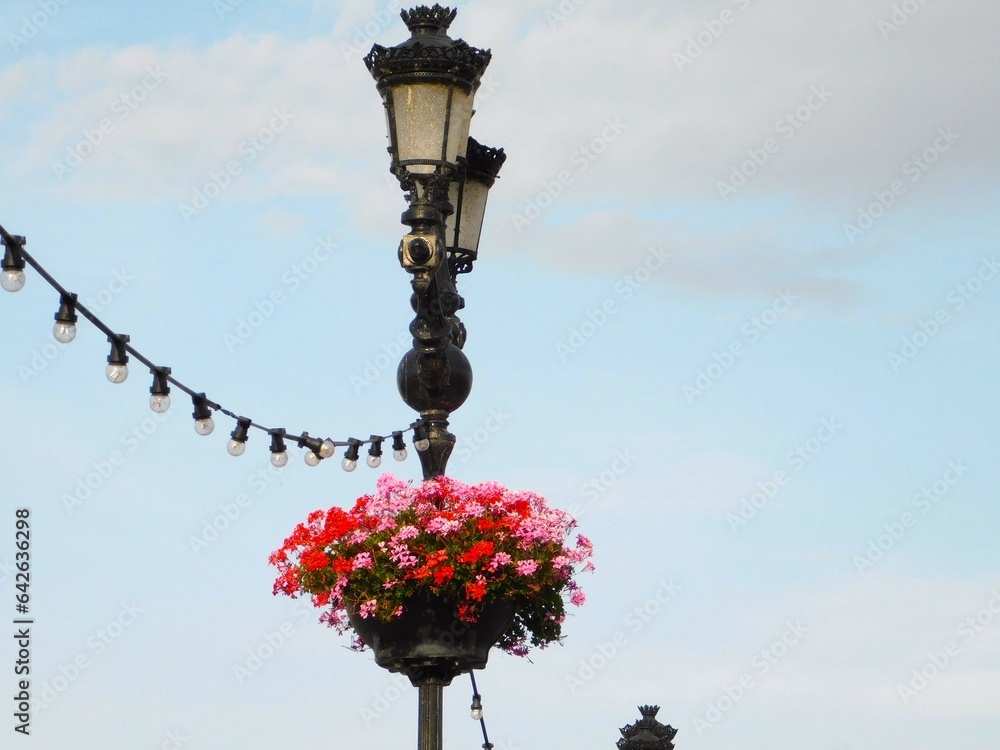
(485, 524)
(442, 574)
(436, 557)
(475, 590)
(477, 550)
(314, 560)
(338, 523)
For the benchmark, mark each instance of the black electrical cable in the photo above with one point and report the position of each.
(477, 700)
(81, 309)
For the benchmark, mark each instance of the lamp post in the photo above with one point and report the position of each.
(428, 84)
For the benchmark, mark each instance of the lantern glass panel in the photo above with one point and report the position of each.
(421, 113)
(461, 119)
(473, 210)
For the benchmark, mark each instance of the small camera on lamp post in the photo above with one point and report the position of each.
(420, 252)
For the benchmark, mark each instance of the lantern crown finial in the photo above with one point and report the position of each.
(484, 160)
(434, 20)
(647, 733)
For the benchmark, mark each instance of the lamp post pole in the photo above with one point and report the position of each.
(427, 85)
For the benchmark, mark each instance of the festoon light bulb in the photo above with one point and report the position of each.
(64, 329)
(238, 444)
(279, 455)
(398, 446)
(12, 279)
(374, 459)
(203, 423)
(12, 276)
(159, 392)
(117, 369)
(420, 439)
(350, 462)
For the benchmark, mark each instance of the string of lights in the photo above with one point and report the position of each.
(12, 279)
(477, 712)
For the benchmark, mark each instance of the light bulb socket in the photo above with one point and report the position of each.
(160, 386)
(277, 440)
(353, 449)
(119, 350)
(13, 259)
(242, 429)
(398, 444)
(313, 445)
(376, 446)
(67, 309)
(201, 408)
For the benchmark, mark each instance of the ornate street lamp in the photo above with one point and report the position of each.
(428, 85)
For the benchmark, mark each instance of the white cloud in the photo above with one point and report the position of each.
(555, 87)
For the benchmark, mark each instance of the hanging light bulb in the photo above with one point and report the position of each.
(477, 707)
(350, 462)
(279, 455)
(238, 444)
(315, 445)
(398, 446)
(203, 423)
(327, 448)
(117, 369)
(420, 439)
(65, 328)
(159, 399)
(374, 459)
(12, 277)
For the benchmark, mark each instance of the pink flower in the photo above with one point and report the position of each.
(578, 598)
(526, 567)
(401, 555)
(499, 560)
(363, 561)
(405, 533)
(385, 522)
(473, 510)
(443, 526)
(358, 536)
(368, 608)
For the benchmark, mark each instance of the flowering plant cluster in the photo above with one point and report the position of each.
(467, 545)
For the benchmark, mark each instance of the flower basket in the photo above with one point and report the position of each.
(437, 573)
(427, 640)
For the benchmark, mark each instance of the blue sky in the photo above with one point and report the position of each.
(680, 310)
